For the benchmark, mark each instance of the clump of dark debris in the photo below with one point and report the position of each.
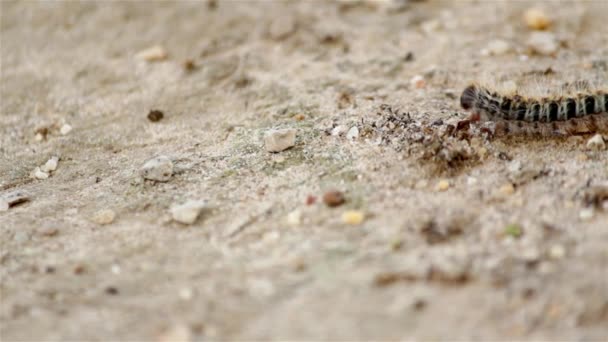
(596, 197)
(443, 145)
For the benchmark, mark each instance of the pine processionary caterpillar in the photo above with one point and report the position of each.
(578, 109)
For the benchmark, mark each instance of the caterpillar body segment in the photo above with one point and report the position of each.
(582, 111)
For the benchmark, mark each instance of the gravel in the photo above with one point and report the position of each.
(158, 169)
(280, 139)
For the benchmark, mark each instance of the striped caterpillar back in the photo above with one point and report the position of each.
(583, 112)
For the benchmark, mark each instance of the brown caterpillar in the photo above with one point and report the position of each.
(579, 109)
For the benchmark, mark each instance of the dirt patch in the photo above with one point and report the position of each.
(492, 238)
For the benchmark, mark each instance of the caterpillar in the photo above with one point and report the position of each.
(578, 109)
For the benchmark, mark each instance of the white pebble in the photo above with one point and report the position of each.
(339, 130)
(104, 216)
(543, 43)
(278, 140)
(153, 54)
(515, 166)
(50, 165)
(586, 214)
(596, 143)
(39, 174)
(557, 251)
(353, 133)
(430, 26)
(294, 218)
(159, 169)
(281, 27)
(177, 333)
(115, 269)
(186, 293)
(498, 47)
(65, 129)
(188, 212)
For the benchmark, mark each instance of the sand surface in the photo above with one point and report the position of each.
(462, 238)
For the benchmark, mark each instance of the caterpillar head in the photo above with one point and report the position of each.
(468, 97)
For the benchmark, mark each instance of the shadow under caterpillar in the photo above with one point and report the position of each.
(579, 109)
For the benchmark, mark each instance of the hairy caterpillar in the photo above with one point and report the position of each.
(577, 109)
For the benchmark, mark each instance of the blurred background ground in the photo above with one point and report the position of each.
(507, 242)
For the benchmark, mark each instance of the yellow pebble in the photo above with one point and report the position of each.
(536, 19)
(507, 189)
(443, 185)
(353, 217)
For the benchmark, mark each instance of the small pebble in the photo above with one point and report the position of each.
(12, 199)
(596, 143)
(515, 166)
(418, 82)
(177, 333)
(50, 165)
(48, 232)
(310, 200)
(185, 293)
(353, 133)
(282, 27)
(189, 65)
(65, 129)
(430, 26)
(543, 43)
(41, 133)
(443, 185)
(188, 212)
(115, 269)
(220, 68)
(334, 198)
(530, 254)
(111, 290)
(299, 117)
(39, 174)
(155, 115)
(153, 54)
(294, 218)
(537, 19)
(339, 130)
(497, 47)
(586, 214)
(557, 252)
(104, 216)
(353, 217)
(79, 269)
(280, 140)
(158, 169)
(507, 189)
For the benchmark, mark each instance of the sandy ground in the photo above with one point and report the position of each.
(510, 247)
